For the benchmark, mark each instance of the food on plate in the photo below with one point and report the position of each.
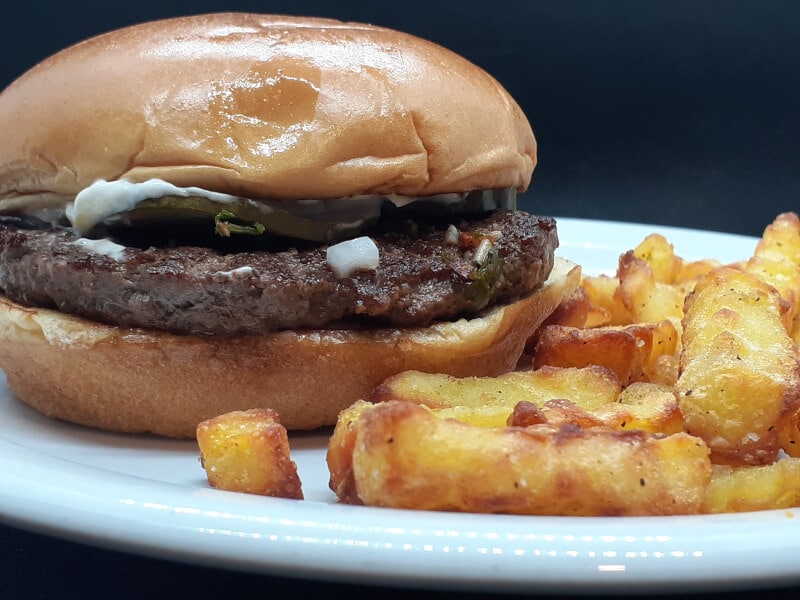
(588, 387)
(753, 487)
(776, 260)
(645, 298)
(636, 352)
(240, 211)
(403, 456)
(248, 451)
(488, 401)
(648, 286)
(739, 383)
(645, 406)
(717, 428)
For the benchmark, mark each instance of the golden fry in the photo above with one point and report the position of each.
(668, 267)
(669, 389)
(645, 406)
(776, 260)
(248, 451)
(605, 306)
(789, 435)
(659, 254)
(573, 311)
(646, 299)
(488, 401)
(340, 452)
(633, 351)
(691, 271)
(763, 487)
(405, 457)
(739, 381)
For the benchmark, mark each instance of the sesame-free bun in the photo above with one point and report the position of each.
(134, 380)
(260, 106)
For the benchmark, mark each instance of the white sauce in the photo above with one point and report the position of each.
(358, 254)
(235, 273)
(104, 199)
(104, 247)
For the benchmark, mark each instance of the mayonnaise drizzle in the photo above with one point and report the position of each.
(104, 247)
(103, 199)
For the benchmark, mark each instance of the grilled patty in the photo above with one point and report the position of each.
(422, 277)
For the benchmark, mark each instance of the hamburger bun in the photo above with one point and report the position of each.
(260, 106)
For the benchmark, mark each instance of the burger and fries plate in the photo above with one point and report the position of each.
(150, 496)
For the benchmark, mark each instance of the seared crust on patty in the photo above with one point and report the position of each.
(199, 291)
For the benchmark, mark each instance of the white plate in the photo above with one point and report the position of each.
(150, 496)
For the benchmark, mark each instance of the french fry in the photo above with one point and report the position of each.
(405, 457)
(739, 381)
(573, 311)
(631, 351)
(659, 254)
(606, 308)
(248, 451)
(646, 299)
(691, 271)
(488, 401)
(749, 488)
(701, 356)
(776, 260)
(668, 267)
(789, 435)
(339, 456)
(645, 406)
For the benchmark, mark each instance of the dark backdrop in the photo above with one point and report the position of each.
(683, 113)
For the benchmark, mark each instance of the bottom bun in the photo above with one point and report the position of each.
(135, 380)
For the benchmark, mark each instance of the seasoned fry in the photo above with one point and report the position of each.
(605, 308)
(763, 487)
(776, 260)
(659, 254)
(691, 271)
(667, 266)
(739, 381)
(637, 352)
(488, 401)
(645, 406)
(789, 435)
(340, 452)
(405, 457)
(248, 451)
(573, 309)
(646, 299)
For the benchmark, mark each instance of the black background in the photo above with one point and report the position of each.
(679, 113)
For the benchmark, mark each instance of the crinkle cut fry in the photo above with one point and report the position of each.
(403, 456)
(739, 381)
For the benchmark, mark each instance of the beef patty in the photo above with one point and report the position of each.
(421, 278)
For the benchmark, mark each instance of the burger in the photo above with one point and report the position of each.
(228, 211)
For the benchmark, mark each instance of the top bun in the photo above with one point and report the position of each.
(261, 106)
